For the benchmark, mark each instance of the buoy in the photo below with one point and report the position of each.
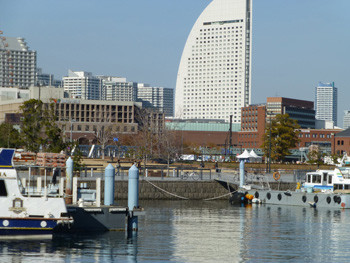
(276, 176)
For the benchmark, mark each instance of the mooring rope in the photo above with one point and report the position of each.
(213, 198)
(181, 197)
(185, 198)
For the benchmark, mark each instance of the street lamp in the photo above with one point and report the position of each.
(269, 160)
(71, 129)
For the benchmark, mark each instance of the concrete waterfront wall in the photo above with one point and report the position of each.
(195, 190)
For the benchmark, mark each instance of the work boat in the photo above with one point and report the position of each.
(24, 216)
(322, 188)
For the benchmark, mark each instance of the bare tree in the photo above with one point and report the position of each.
(147, 139)
(104, 135)
(169, 145)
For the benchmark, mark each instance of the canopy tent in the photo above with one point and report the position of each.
(244, 155)
(255, 157)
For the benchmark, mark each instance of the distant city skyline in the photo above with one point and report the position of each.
(296, 44)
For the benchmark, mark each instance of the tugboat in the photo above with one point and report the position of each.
(322, 189)
(26, 216)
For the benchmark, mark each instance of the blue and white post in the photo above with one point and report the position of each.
(133, 197)
(109, 185)
(241, 172)
(69, 180)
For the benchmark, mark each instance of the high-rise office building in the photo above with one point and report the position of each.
(214, 76)
(159, 98)
(17, 63)
(346, 119)
(326, 102)
(300, 110)
(82, 85)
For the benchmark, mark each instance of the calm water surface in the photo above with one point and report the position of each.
(189, 231)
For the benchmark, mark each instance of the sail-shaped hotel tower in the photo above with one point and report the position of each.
(214, 76)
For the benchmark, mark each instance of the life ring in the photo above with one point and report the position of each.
(276, 176)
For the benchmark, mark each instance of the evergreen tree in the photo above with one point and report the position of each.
(32, 124)
(9, 136)
(39, 129)
(284, 136)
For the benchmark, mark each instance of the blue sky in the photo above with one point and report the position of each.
(296, 43)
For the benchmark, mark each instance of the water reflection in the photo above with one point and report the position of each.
(203, 232)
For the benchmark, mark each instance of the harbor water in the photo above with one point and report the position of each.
(198, 231)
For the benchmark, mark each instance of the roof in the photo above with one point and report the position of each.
(17, 44)
(244, 155)
(345, 133)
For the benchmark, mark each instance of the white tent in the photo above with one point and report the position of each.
(255, 157)
(244, 155)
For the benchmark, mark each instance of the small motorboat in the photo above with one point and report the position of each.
(23, 215)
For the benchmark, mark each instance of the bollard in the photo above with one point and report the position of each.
(241, 173)
(98, 191)
(61, 187)
(133, 197)
(69, 180)
(75, 190)
(109, 185)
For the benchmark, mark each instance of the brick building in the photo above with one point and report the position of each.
(324, 138)
(253, 121)
(342, 142)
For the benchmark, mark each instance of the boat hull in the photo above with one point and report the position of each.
(16, 228)
(294, 198)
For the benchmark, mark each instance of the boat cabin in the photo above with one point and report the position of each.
(332, 180)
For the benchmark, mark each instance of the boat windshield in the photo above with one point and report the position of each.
(345, 171)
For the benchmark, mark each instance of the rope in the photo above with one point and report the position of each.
(181, 197)
(213, 198)
(185, 198)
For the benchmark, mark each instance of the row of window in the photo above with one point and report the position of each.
(93, 128)
(314, 135)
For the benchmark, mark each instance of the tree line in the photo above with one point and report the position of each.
(39, 131)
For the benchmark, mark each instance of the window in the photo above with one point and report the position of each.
(316, 178)
(3, 191)
(309, 178)
(338, 187)
(330, 179)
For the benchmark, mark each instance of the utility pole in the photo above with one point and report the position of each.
(230, 136)
(269, 163)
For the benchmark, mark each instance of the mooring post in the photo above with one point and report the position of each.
(98, 191)
(133, 197)
(75, 190)
(241, 173)
(109, 185)
(69, 180)
(61, 187)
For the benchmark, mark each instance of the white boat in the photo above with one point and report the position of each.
(26, 216)
(322, 188)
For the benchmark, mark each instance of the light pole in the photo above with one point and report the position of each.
(71, 129)
(269, 163)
